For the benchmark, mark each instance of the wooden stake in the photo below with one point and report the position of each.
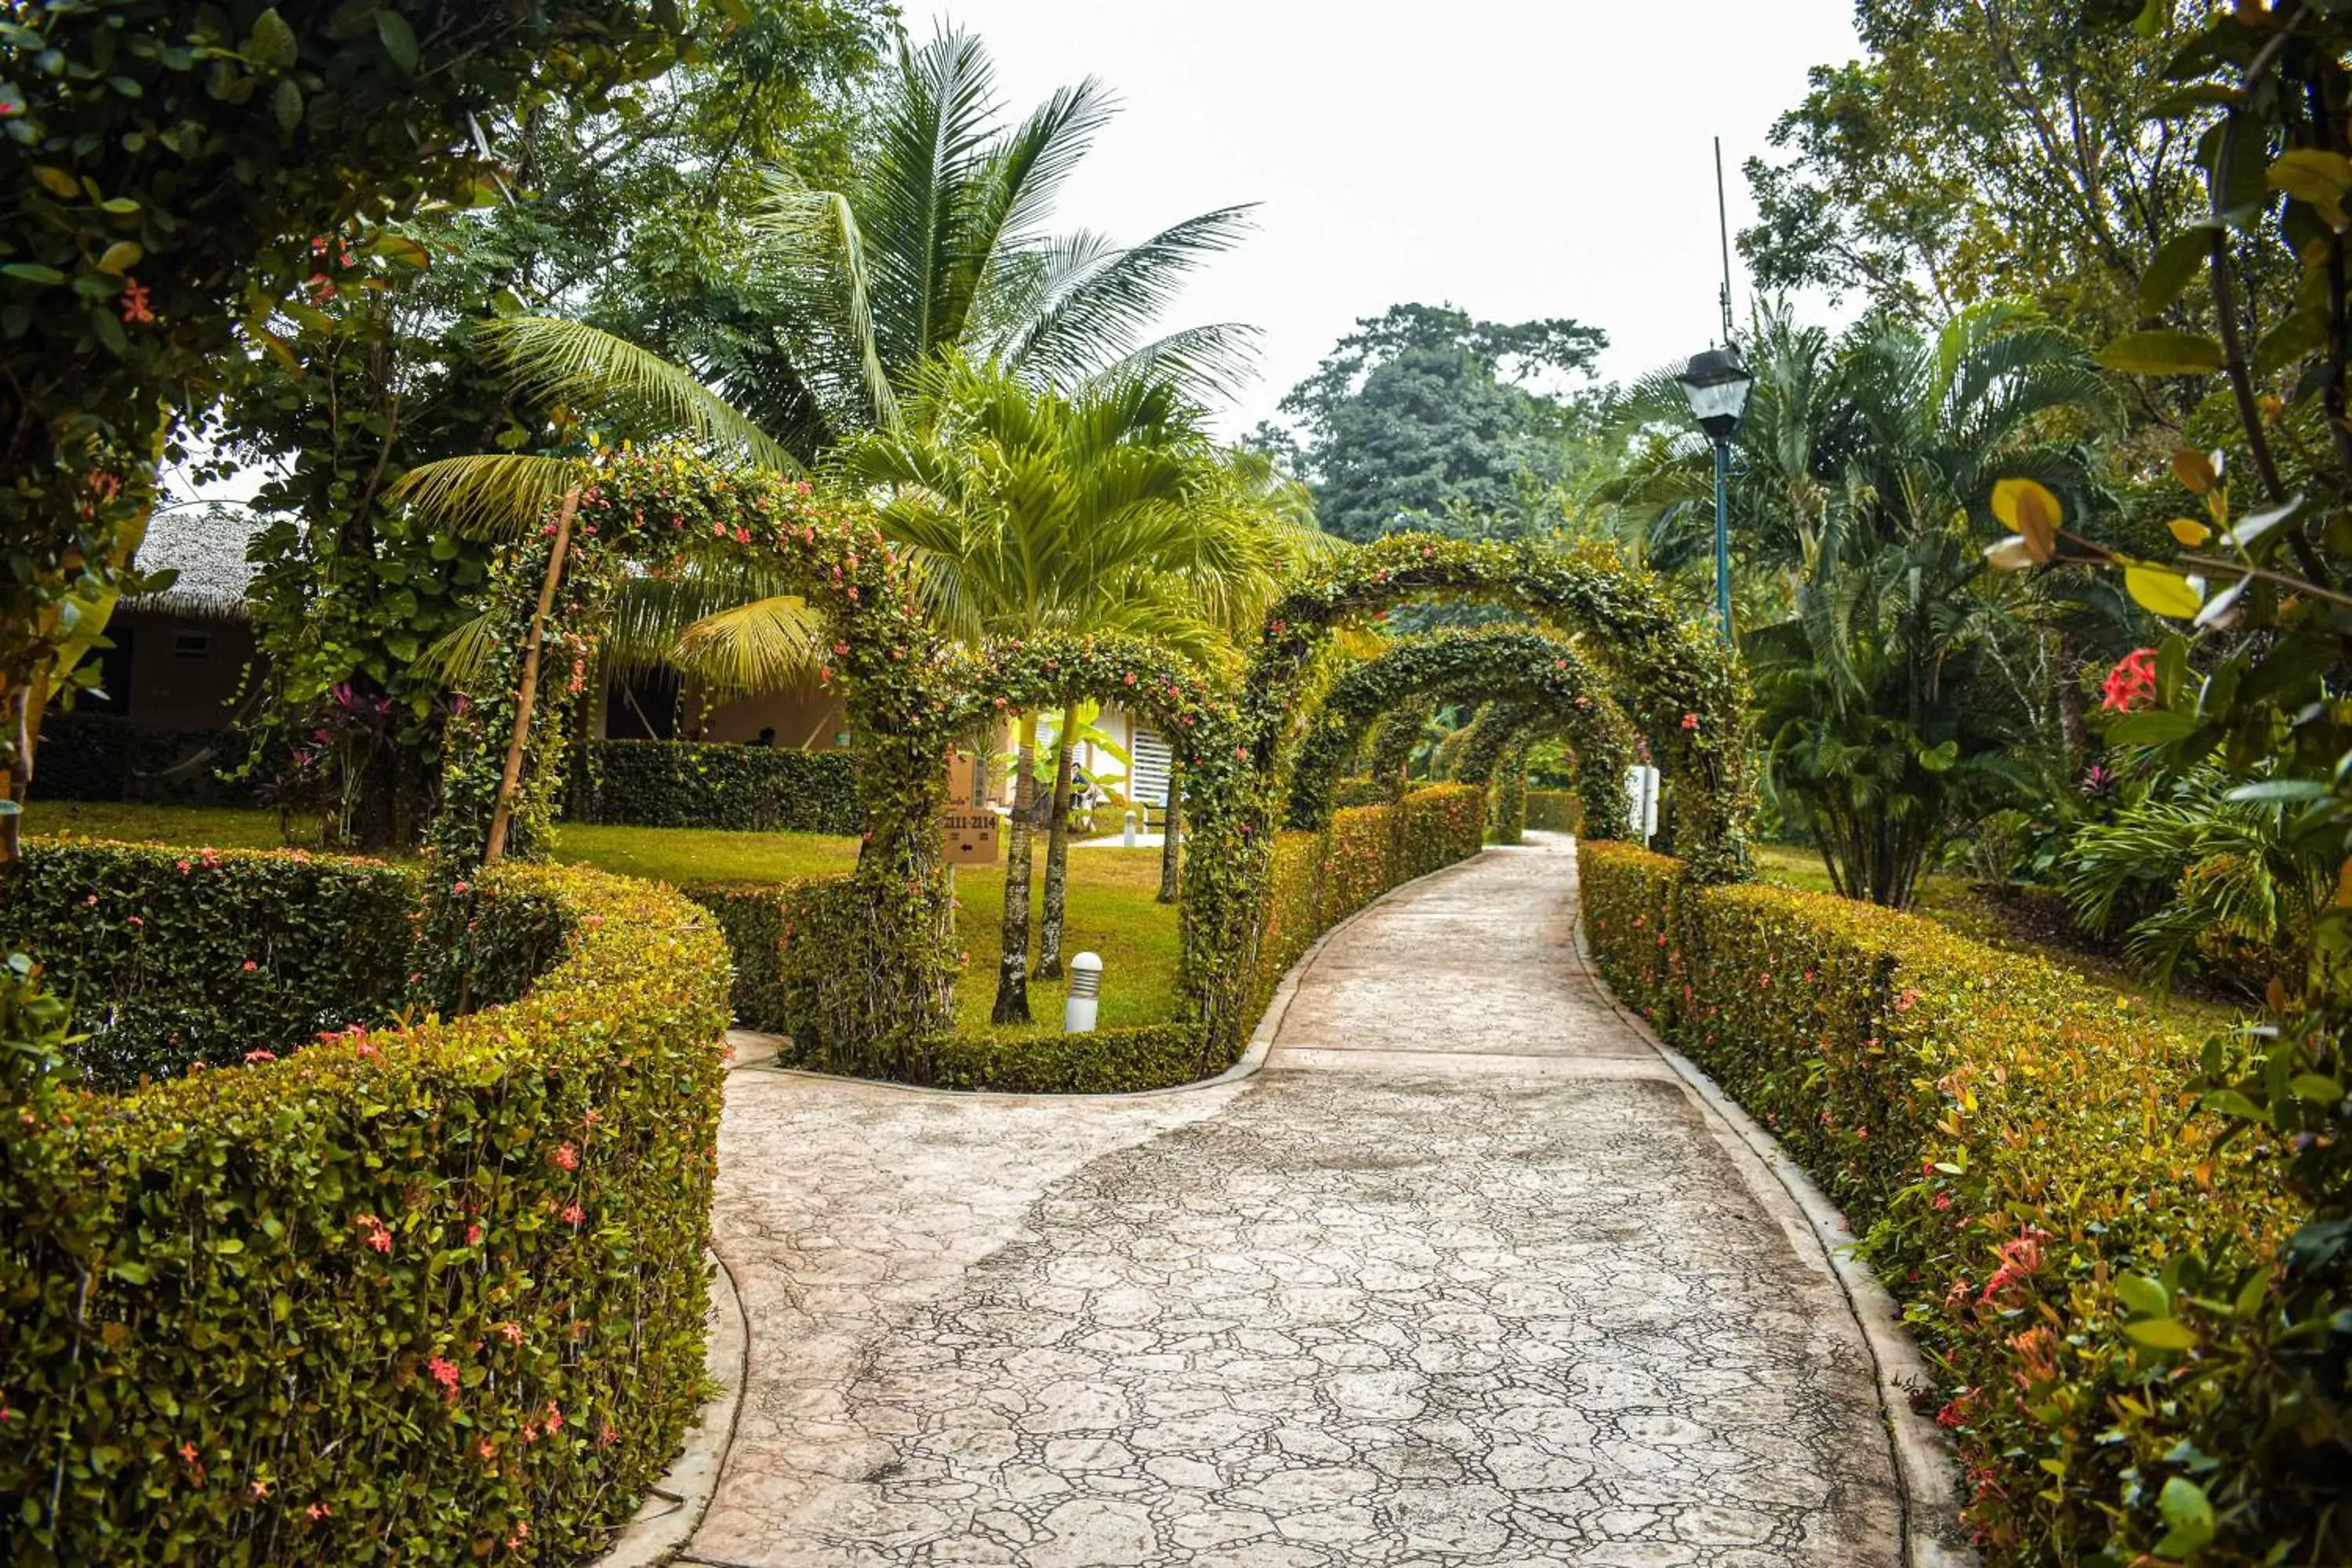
(502, 815)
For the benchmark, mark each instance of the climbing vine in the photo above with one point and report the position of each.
(1678, 686)
(1524, 667)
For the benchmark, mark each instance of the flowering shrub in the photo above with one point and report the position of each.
(183, 956)
(430, 1292)
(2019, 1149)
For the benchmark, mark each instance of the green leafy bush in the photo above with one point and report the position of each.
(752, 917)
(2022, 1153)
(176, 957)
(1554, 811)
(425, 1293)
(756, 789)
(104, 756)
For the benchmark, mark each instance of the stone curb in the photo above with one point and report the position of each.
(1252, 1057)
(667, 1521)
(1925, 1469)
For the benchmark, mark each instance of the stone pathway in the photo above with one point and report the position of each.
(1466, 1276)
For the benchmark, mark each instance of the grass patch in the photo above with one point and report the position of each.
(1965, 911)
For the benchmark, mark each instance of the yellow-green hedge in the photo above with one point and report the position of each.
(431, 1293)
(2015, 1144)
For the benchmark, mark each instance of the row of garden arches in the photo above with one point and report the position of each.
(1608, 664)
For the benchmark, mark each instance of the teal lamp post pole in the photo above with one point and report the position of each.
(1717, 385)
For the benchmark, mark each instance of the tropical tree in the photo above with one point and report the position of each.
(1028, 511)
(1867, 476)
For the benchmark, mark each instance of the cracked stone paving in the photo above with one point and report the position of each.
(1466, 1276)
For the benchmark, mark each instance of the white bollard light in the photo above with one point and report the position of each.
(1085, 989)
(1129, 840)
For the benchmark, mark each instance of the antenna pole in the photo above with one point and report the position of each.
(1723, 221)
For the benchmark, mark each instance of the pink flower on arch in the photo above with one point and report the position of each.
(445, 1372)
(567, 1157)
(1690, 721)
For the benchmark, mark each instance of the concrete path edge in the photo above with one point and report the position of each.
(1923, 1463)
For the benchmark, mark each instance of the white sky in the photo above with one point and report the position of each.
(1518, 158)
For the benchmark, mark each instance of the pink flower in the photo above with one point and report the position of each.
(567, 1157)
(379, 1234)
(137, 922)
(261, 1055)
(1690, 721)
(250, 966)
(318, 1510)
(474, 1234)
(445, 1372)
(574, 1215)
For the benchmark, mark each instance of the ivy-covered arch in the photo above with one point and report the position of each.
(1514, 663)
(1676, 682)
(1215, 912)
(663, 512)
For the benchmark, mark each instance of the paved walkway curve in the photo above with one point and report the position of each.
(1464, 1277)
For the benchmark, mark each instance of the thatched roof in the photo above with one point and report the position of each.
(207, 546)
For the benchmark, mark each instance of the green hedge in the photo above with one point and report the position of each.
(181, 956)
(104, 756)
(416, 1294)
(2018, 1148)
(1555, 811)
(760, 789)
(790, 976)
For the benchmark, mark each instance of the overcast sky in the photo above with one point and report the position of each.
(1519, 158)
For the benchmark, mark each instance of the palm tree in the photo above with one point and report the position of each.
(1030, 512)
(1885, 694)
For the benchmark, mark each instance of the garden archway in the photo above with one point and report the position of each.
(1514, 663)
(1676, 682)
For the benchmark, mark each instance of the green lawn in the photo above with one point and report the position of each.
(1951, 902)
(1113, 907)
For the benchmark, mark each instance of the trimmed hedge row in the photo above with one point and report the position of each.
(791, 979)
(2022, 1155)
(1555, 811)
(758, 789)
(419, 1293)
(174, 957)
(105, 757)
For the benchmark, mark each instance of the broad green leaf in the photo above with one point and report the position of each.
(2177, 261)
(2154, 727)
(120, 206)
(2162, 351)
(399, 41)
(2162, 1334)
(57, 182)
(120, 256)
(2317, 1087)
(272, 44)
(399, 247)
(286, 103)
(2144, 1296)
(2230, 1102)
(33, 272)
(2190, 1513)
(2162, 592)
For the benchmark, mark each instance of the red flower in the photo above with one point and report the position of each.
(567, 1156)
(136, 307)
(445, 1372)
(2132, 679)
(1690, 721)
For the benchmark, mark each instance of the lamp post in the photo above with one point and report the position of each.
(1717, 385)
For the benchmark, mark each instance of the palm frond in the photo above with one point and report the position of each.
(766, 644)
(571, 361)
(488, 495)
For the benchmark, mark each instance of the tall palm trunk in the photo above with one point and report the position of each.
(1057, 857)
(1012, 958)
(1171, 830)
